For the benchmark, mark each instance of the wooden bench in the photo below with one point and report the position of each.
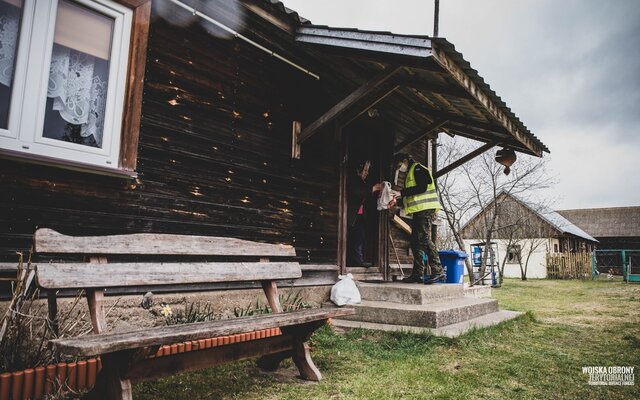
(128, 356)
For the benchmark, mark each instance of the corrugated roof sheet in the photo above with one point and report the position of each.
(288, 12)
(563, 224)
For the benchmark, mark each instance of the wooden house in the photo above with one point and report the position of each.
(237, 119)
(527, 233)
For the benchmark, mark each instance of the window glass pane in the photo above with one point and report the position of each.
(78, 75)
(10, 13)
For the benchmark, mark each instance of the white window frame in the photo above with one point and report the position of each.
(29, 87)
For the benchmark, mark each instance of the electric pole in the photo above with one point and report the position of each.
(435, 18)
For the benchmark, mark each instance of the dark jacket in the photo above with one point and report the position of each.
(358, 193)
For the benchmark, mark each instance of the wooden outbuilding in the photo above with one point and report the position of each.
(529, 234)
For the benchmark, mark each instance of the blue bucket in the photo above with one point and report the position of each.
(453, 263)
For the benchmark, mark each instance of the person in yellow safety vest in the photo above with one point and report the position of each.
(420, 200)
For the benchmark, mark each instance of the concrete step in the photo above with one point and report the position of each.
(452, 330)
(433, 315)
(478, 291)
(408, 293)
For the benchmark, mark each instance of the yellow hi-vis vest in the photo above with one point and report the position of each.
(423, 201)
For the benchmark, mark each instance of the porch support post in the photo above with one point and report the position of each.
(463, 159)
(366, 89)
(433, 146)
(342, 206)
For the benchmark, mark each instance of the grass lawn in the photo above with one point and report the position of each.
(568, 325)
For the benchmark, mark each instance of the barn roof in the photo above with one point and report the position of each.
(553, 218)
(562, 224)
(606, 222)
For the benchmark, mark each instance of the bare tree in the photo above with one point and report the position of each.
(478, 184)
(456, 205)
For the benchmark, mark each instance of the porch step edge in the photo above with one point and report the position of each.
(452, 330)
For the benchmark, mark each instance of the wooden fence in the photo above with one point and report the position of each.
(569, 266)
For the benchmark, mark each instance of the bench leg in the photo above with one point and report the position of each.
(300, 352)
(109, 384)
(271, 362)
(302, 359)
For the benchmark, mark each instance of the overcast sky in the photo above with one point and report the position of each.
(570, 70)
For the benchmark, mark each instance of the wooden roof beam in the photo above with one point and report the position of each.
(432, 87)
(345, 104)
(431, 128)
(432, 112)
(465, 122)
(357, 111)
(475, 153)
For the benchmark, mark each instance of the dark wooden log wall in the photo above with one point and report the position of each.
(214, 157)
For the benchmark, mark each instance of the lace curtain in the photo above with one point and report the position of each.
(78, 90)
(79, 93)
(9, 25)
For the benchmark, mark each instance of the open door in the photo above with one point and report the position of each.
(361, 223)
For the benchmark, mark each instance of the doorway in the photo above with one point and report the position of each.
(366, 227)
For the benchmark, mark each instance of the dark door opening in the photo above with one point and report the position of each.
(366, 227)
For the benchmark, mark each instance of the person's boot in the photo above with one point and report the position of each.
(412, 279)
(441, 277)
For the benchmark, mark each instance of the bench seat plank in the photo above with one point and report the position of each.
(92, 345)
(87, 275)
(49, 241)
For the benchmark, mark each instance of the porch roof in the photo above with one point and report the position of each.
(428, 79)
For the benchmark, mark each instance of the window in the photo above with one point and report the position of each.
(10, 13)
(555, 248)
(63, 76)
(513, 254)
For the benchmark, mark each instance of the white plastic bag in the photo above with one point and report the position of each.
(345, 291)
(386, 195)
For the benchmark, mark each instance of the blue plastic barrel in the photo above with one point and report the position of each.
(453, 263)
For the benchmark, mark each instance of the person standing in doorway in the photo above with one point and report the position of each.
(420, 200)
(358, 195)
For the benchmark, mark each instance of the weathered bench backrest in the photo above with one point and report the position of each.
(50, 241)
(99, 274)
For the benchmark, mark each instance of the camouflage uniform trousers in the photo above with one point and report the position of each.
(421, 244)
